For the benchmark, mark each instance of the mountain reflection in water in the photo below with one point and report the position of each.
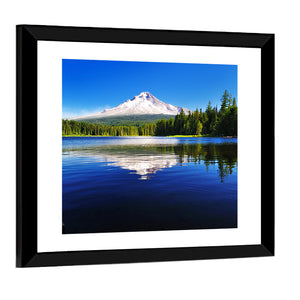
(146, 160)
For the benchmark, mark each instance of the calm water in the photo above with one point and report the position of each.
(113, 184)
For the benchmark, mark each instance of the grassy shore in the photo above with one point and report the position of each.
(196, 136)
(85, 135)
(82, 135)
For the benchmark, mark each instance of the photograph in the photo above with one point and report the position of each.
(148, 146)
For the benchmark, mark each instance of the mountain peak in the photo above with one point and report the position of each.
(144, 95)
(143, 104)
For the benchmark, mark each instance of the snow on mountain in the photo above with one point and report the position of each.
(143, 104)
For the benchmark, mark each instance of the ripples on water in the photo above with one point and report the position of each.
(136, 183)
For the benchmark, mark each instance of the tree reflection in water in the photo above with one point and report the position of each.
(146, 160)
(224, 155)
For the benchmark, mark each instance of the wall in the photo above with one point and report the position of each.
(255, 278)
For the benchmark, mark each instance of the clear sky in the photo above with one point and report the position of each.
(89, 86)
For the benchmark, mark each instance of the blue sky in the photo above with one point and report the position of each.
(89, 86)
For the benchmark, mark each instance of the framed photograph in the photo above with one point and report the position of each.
(138, 145)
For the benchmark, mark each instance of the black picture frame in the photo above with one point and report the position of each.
(27, 153)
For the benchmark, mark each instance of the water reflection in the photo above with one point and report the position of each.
(147, 159)
(143, 165)
(224, 155)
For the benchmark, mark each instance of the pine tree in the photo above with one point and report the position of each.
(198, 128)
(225, 101)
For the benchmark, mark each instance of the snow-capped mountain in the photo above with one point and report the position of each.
(143, 104)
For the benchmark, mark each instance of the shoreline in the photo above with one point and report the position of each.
(170, 136)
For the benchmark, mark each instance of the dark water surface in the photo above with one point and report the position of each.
(114, 184)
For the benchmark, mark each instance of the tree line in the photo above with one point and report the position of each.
(214, 122)
(83, 128)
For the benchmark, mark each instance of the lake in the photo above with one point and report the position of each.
(117, 184)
